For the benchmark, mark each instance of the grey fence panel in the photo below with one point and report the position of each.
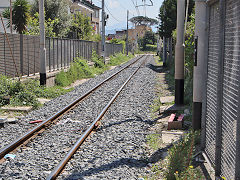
(59, 53)
(212, 79)
(228, 103)
(230, 88)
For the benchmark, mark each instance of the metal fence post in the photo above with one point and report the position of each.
(4, 55)
(21, 53)
(49, 53)
(27, 39)
(57, 55)
(53, 53)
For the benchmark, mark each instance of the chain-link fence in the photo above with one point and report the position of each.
(19, 54)
(221, 108)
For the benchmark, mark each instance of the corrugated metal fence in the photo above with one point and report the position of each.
(59, 53)
(221, 108)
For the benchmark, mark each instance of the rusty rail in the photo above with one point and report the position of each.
(53, 175)
(13, 145)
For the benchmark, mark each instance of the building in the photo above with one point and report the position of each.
(89, 9)
(138, 32)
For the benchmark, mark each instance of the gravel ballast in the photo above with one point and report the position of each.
(114, 151)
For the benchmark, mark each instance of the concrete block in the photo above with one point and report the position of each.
(174, 122)
(17, 108)
(167, 99)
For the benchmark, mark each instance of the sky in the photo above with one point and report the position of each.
(117, 10)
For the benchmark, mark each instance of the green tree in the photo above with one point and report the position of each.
(81, 27)
(57, 9)
(149, 38)
(141, 20)
(168, 16)
(33, 26)
(20, 15)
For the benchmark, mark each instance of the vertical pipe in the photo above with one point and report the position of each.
(43, 76)
(127, 33)
(103, 32)
(179, 54)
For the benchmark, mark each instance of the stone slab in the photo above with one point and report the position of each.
(17, 108)
(43, 100)
(169, 137)
(167, 99)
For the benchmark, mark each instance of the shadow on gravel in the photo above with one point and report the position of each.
(155, 68)
(130, 162)
(138, 118)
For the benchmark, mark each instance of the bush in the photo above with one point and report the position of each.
(180, 155)
(25, 98)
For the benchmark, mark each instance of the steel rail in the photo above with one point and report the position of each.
(13, 145)
(58, 169)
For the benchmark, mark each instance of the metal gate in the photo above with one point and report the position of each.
(221, 107)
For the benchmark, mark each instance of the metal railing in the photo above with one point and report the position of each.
(59, 53)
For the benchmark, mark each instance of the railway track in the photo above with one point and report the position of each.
(68, 108)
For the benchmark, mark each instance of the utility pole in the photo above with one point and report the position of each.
(103, 32)
(11, 17)
(127, 33)
(43, 75)
(179, 54)
(199, 61)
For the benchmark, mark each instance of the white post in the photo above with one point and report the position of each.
(198, 79)
(43, 75)
(179, 54)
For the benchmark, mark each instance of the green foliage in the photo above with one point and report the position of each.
(190, 173)
(119, 41)
(78, 70)
(153, 140)
(57, 9)
(24, 98)
(180, 155)
(33, 26)
(168, 17)
(149, 38)
(119, 59)
(26, 93)
(98, 62)
(143, 20)
(81, 27)
(20, 15)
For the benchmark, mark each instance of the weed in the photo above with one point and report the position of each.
(153, 140)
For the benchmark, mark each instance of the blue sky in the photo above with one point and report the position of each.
(118, 12)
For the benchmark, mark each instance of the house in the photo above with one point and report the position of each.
(138, 32)
(89, 9)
